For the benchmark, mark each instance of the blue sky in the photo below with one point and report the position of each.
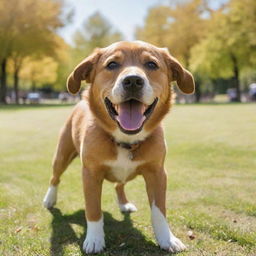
(124, 15)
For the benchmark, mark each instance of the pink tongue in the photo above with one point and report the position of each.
(130, 115)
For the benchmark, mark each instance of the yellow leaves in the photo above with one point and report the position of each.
(62, 51)
(28, 33)
(156, 26)
(205, 43)
(39, 71)
(178, 28)
(28, 27)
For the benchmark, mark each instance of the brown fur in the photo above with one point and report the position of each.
(88, 131)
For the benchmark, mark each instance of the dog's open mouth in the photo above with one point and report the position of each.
(130, 115)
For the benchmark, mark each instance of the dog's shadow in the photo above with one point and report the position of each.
(122, 238)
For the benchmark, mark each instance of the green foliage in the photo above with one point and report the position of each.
(26, 33)
(212, 43)
(29, 38)
(156, 25)
(178, 28)
(96, 32)
(230, 33)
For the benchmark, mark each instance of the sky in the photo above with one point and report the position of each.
(124, 15)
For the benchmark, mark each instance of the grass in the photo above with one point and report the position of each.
(211, 163)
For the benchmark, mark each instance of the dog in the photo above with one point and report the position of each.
(116, 130)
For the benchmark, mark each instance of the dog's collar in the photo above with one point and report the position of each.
(131, 147)
(128, 146)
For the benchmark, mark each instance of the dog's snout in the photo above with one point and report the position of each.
(133, 83)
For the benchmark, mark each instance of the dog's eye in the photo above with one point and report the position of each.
(112, 65)
(151, 65)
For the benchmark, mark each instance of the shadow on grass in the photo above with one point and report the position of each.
(122, 238)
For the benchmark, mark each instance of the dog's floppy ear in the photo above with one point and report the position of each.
(82, 72)
(183, 77)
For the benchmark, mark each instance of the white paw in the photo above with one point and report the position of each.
(163, 234)
(128, 207)
(94, 241)
(173, 244)
(50, 197)
(93, 244)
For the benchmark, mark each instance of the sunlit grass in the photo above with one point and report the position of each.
(211, 164)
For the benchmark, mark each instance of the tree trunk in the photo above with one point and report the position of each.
(236, 77)
(3, 87)
(33, 86)
(16, 85)
(198, 92)
(186, 64)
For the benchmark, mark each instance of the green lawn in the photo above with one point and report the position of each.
(211, 189)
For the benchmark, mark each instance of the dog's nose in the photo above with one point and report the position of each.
(134, 83)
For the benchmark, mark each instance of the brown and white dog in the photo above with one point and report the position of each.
(116, 130)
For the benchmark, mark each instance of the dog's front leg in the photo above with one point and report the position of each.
(156, 190)
(94, 241)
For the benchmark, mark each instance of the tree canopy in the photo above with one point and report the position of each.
(231, 34)
(27, 29)
(95, 32)
(212, 43)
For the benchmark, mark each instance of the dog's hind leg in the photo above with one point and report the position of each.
(123, 203)
(65, 153)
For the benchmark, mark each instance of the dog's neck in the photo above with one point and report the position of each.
(129, 146)
(130, 139)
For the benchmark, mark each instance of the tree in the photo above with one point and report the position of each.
(64, 67)
(96, 32)
(7, 21)
(156, 26)
(27, 33)
(39, 72)
(179, 28)
(230, 45)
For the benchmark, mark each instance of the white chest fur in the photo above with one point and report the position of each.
(123, 166)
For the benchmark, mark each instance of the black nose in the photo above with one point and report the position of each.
(134, 83)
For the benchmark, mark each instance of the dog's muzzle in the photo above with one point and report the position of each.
(131, 102)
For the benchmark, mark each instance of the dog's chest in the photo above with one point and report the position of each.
(123, 166)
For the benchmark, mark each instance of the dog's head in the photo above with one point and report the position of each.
(130, 84)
